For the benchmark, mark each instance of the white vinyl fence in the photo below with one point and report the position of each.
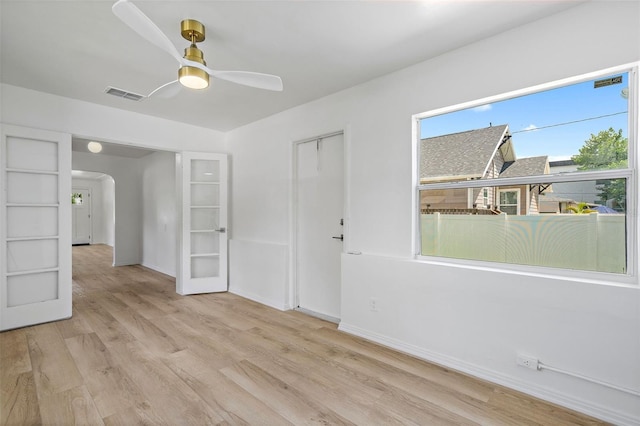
(593, 242)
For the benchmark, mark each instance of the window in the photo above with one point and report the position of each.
(76, 198)
(542, 179)
(509, 201)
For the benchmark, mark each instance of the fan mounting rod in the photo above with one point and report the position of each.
(192, 30)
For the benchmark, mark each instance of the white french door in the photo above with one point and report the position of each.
(35, 227)
(202, 188)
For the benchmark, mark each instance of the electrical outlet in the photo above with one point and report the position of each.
(528, 362)
(373, 304)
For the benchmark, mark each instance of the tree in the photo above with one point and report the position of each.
(581, 208)
(604, 151)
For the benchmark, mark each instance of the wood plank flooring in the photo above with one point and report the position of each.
(135, 352)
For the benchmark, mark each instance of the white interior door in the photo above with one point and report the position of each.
(81, 216)
(35, 227)
(319, 217)
(202, 197)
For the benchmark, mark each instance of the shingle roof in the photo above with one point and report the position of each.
(528, 166)
(464, 154)
(553, 198)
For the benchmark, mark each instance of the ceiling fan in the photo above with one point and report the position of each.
(193, 72)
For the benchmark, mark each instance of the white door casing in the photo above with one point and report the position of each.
(35, 226)
(202, 181)
(319, 210)
(81, 220)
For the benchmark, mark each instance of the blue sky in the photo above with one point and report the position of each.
(550, 108)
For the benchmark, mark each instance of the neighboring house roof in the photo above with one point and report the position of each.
(603, 209)
(553, 198)
(528, 166)
(561, 163)
(462, 155)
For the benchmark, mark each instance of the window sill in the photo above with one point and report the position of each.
(590, 277)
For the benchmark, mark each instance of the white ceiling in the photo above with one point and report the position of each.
(81, 174)
(76, 48)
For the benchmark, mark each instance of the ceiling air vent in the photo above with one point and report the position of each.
(123, 94)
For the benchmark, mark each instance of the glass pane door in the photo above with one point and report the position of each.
(204, 241)
(35, 224)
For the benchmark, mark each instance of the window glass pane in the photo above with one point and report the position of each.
(509, 209)
(573, 128)
(508, 197)
(205, 171)
(571, 225)
(29, 154)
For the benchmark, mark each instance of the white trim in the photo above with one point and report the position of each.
(318, 315)
(416, 230)
(544, 393)
(633, 184)
(525, 180)
(629, 67)
(260, 299)
(592, 277)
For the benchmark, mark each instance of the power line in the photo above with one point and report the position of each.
(570, 122)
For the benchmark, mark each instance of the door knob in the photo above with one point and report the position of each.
(341, 237)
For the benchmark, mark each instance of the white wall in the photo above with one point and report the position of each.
(470, 319)
(108, 209)
(126, 172)
(40, 110)
(159, 212)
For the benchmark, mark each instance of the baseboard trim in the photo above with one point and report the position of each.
(318, 315)
(256, 298)
(158, 269)
(586, 407)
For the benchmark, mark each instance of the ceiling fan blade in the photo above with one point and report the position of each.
(140, 23)
(252, 79)
(167, 90)
(246, 78)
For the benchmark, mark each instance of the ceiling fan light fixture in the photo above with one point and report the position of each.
(193, 78)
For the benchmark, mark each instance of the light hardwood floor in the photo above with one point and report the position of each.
(135, 352)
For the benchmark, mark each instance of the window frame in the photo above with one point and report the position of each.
(630, 174)
(517, 204)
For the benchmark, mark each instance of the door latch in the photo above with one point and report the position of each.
(221, 230)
